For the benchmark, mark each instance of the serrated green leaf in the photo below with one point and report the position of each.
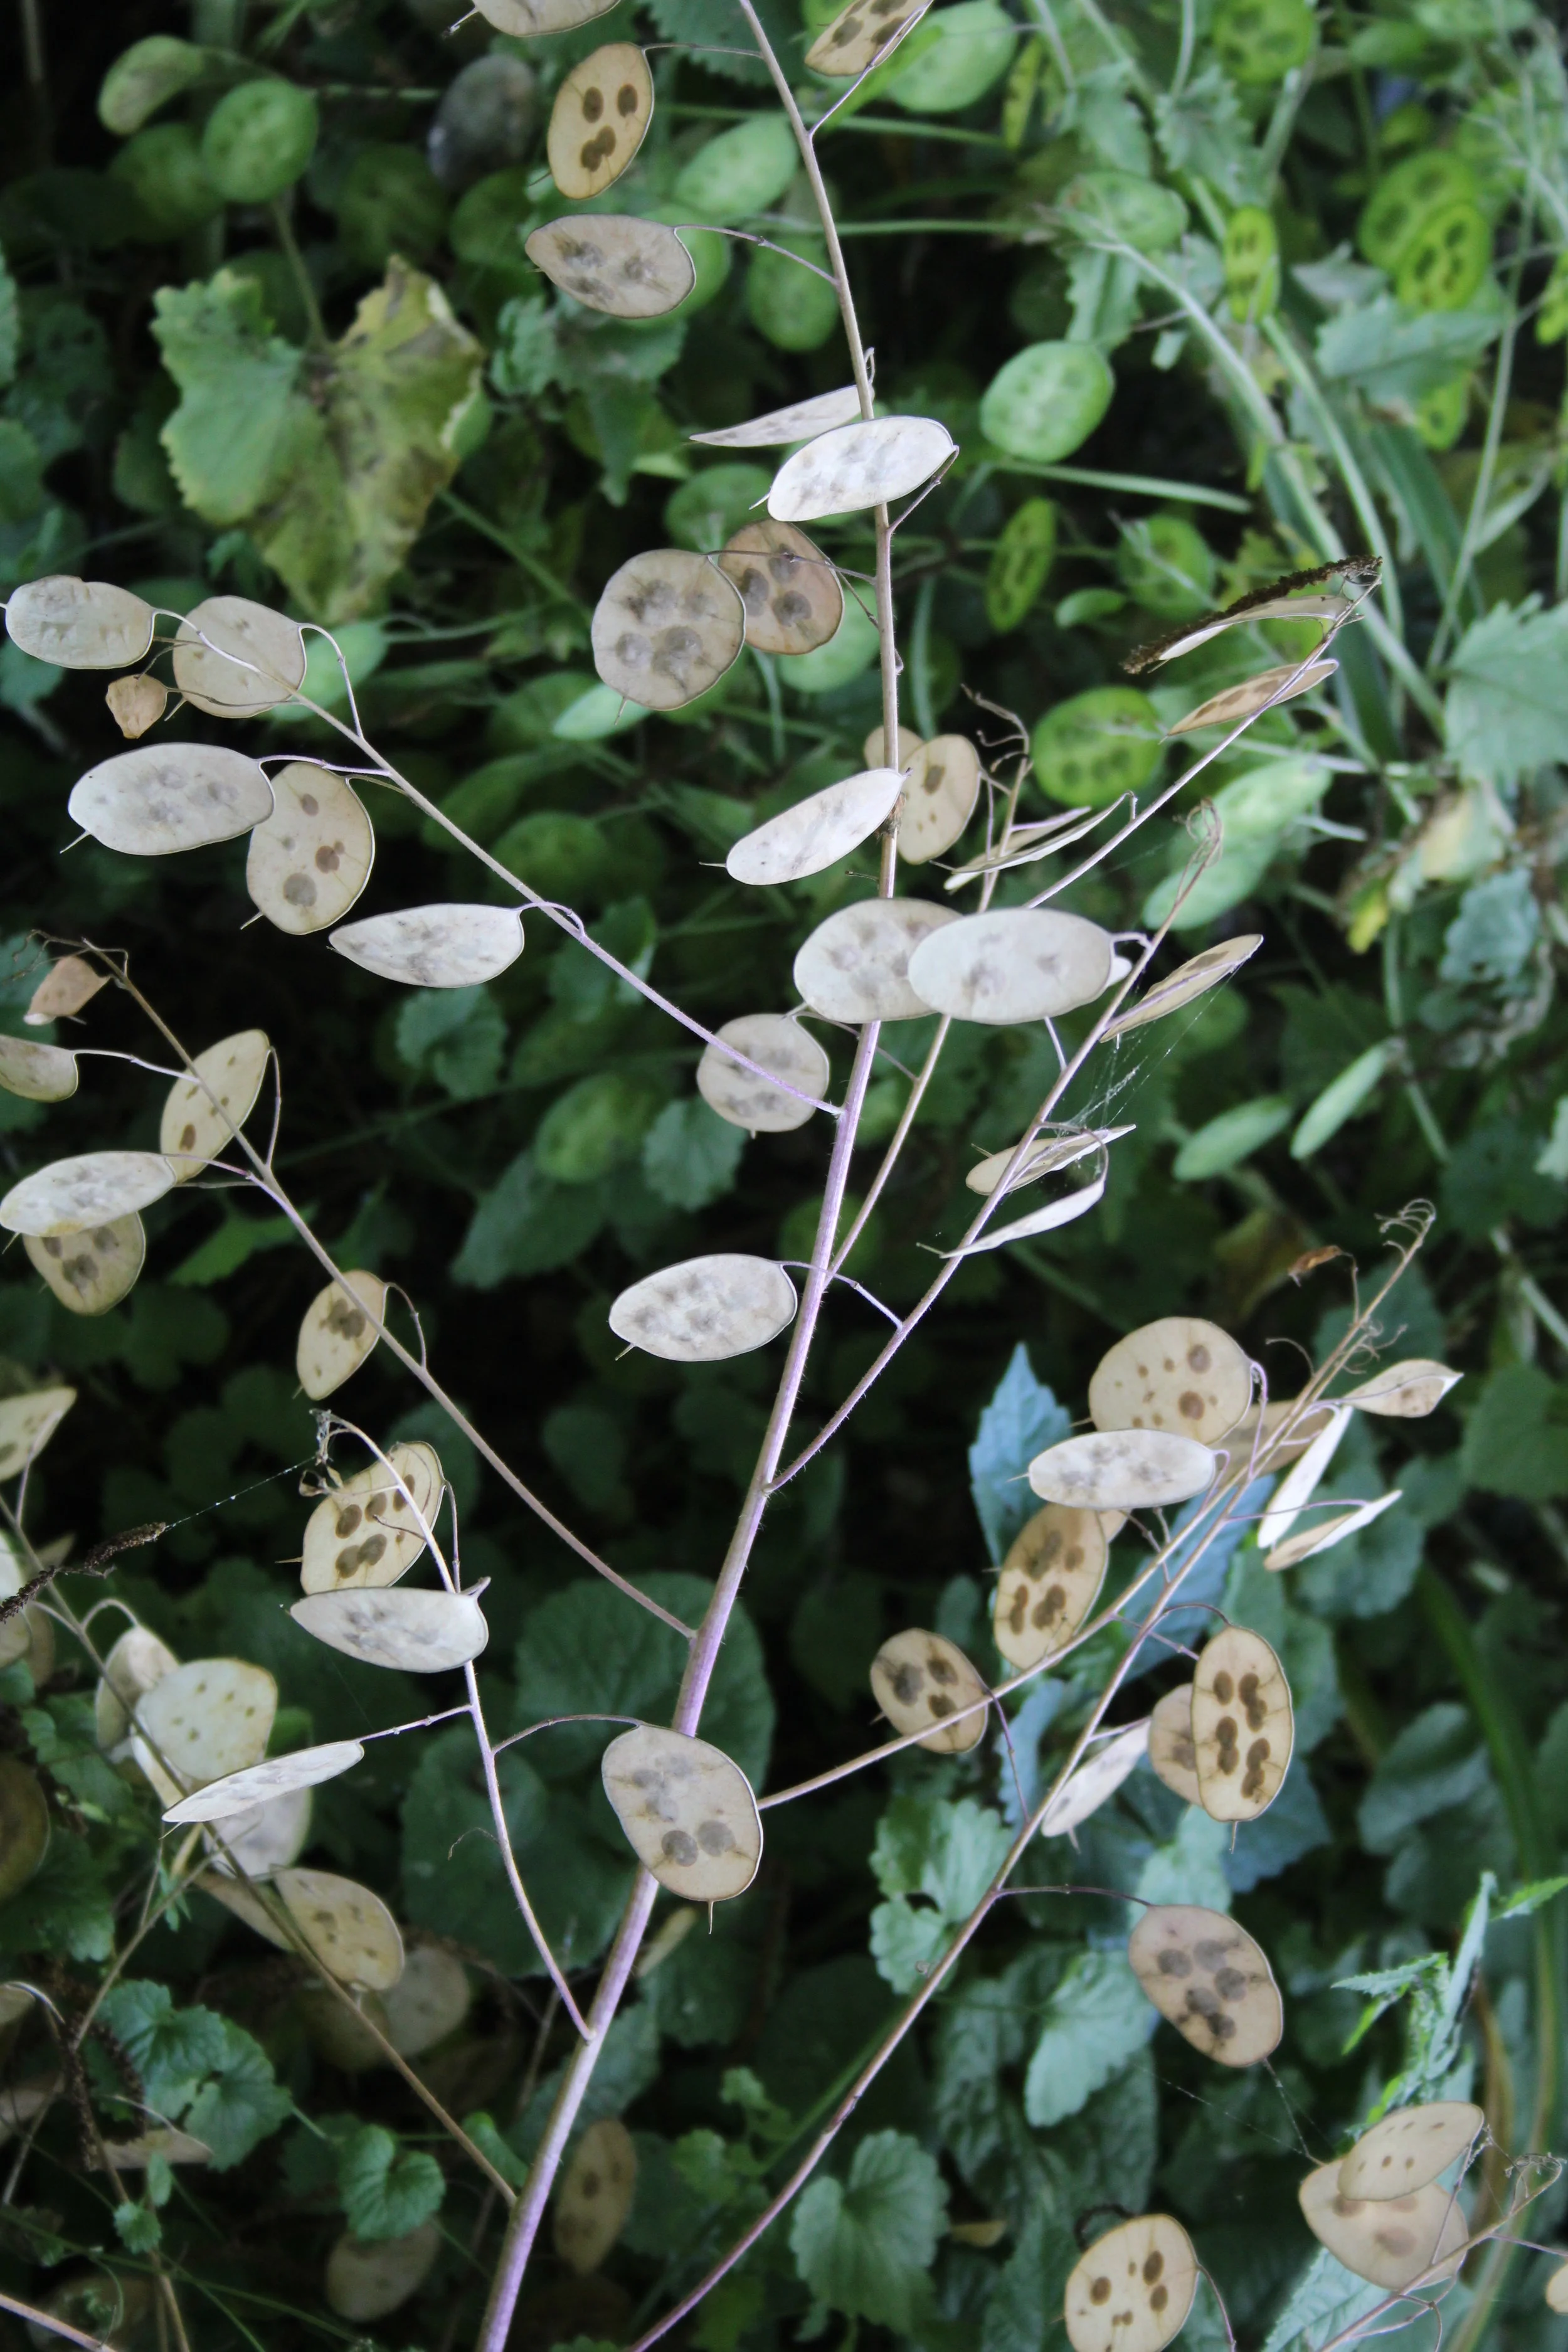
(1094, 2021)
(386, 2191)
(864, 2245)
(243, 2102)
(171, 2049)
(691, 1156)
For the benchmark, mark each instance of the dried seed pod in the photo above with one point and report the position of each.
(350, 1930)
(1408, 2150)
(855, 966)
(1243, 1726)
(1133, 2289)
(1179, 1373)
(370, 2279)
(777, 1044)
(27, 1424)
(1050, 1580)
(1046, 1220)
(195, 1129)
(171, 2145)
(1389, 2241)
(137, 1661)
(687, 1812)
(207, 1719)
(1324, 1533)
(266, 1838)
(1274, 1451)
(594, 2196)
(667, 625)
(1252, 695)
(275, 1776)
(859, 466)
(308, 862)
(1095, 1780)
(344, 2037)
(1054, 1149)
(92, 1271)
(74, 1196)
(613, 262)
(802, 421)
(857, 36)
(1209, 1980)
(24, 1826)
(818, 831)
(63, 991)
(339, 1332)
(599, 119)
(706, 1308)
(1189, 979)
(1407, 1392)
(166, 797)
(136, 704)
(1557, 2289)
(1171, 1752)
(1123, 1469)
(367, 1532)
(235, 659)
(919, 1679)
(36, 1072)
(421, 1632)
(429, 2000)
(1300, 1482)
(434, 947)
(1016, 963)
(79, 623)
(909, 744)
(791, 592)
(940, 794)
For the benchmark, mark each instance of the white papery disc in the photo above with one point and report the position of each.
(419, 1631)
(79, 623)
(70, 1196)
(434, 947)
(1016, 963)
(308, 862)
(1405, 1392)
(855, 966)
(1389, 2241)
(266, 1838)
(1171, 1753)
(1190, 979)
(275, 1776)
(1408, 2150)
(1060, 1149)
(366, 1533)
(166, 797)
(252, 658)
(1243, 1726)
(1133, 2289)
(91, 1271)
(350, 1930)
(706, 1309)
(368, 2279)
(687, 1812)
(28, 1422)
(802, 421)
(1123, 1469)
(195, 1130)
(594, 2196)
(599, 119)
(1095, 1780)
(429, 2000)
(1324, 1533)
(857, 36)
(919, 1679)
(940, 794)
(138, 1660)
(337, 1334)
(859, 466)
(1179, 1373)
(819, 831)
(1300, 1482)
(208, 1718)
(778, 1044)
(36, 1072)
(1207, 1977)
(791, 592)
(667, 625)
(615, 262)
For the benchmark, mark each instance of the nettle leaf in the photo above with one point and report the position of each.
(1325, 2300)
(1507, 704)
(242, 2104)
(947, 1853)
(864, 2245)
(386, 2191)
(1516, 1442)
(65, 1903)
(691, 1156)
(1096, 2020)
(172, 2050)
(1022, 1419)
(1393, 355)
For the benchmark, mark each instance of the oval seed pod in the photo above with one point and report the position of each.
(368, 2279)
(599, 119)
(1324, 1533)
(857, 36)
(207, 1719)
(818, 831)
(1557, 2289)
(1171, 1753)
(173, 2147)
(802, 421)
(1408, 2150)
(136, 704)
(791, 592)
(919, 1679)
(778, 1044)
(1133, 2289)
(266, 1838)
(338, 1333)
(24, 1826)
(308, 862)
(92, 1271)
(79, 623)
(138, 1660)
(940, 794)
(1189, 979)
(343, 2037)
(1243, 1726)
(36, 1072)
(667, 625)
(687, 1812)
(71, 1196)
(1122, 1470)
(1300, 1482)
(421, 1632)
(27, 1424)
(63, 991)
(859, 466)
(1406, 1392)
(1050, 1580)
(1179, 1373)
(434, 947)
(613, 262)
(235, 659)
(1095, 1781)
(350, 1930)
(1016, 963)
(166, 797)
(706, 1308)
(1252, 695)
(1209, 1980)
(855, 966)
(366, 1533)
(275, 1776)
(1059, 1148)
(594, 2196)
(194, 1128)
(1389, 2241)
(429, 2000)
(909, 744)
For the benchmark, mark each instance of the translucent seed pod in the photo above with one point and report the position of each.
(417, 1633)
(1179, 1373)
(706, 1309)
(855, 966)
(27, 1424)
(92, 1271)
(594, 2196)
(687, 1812)
(599, 119)
(918, 1680)
(1133, 2289)
(195, 1128)
(1050, 1580)
(1391, 2241)
(350, 1930)
(775, 1042)
(1208, 1977)
(251, 660)
(75, 1196)
(367, 1532)
(1172, 1753)
(1243, 1726)
(791, 593)
(208, 1718)
(615, 262)
(337, 1333)
(308, 862)
(1408, 2150)
(667, 627)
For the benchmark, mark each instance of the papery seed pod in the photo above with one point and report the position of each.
(434, 947)
(24, 1825)
(921, 1679)
(775, 1042)
(263, 1841)
(75, 1196)
(1050, 1580)
(1190, 979)
(208, 1718)
(350, 1930)
(1408, 2150)
(1390, 2240)
(1012, 964)
(687, 1812)
(27, 1424)
(136, 704)
(369, 2279)
(1243, 1726)
(166, 797)
(1405, 1392)
(235, 659)
(36, 1072)
(1133, 2289)
(79, 623)
(1179, 1373)
(1172, 1753)
(429, 2000)
(338, 1332)
(1208, 1977)
(276, 1775)
(706, 1308)
(615, 262)
(1269, 687)
(367, 1531)
(859, 466)
(819, 831)
(138, 1660)
(599, 119)
(857, 36)
(1123, 1469)
(63, 991)
(791, 593)
(667, 626)
(855, 966)
(308, 863)
(940, 793)
(594, 2196)
(417, 1632)
(1322, 1534)
(195, 1128)
(802, 421)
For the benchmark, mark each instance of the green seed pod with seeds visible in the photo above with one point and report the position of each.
(1020, 565)
(1096, 746)
(1251, 263)
(259, 138)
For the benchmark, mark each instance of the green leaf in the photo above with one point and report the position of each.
(1516, 1441)
(456, 1035)
(525, 358)
(864, 2246)
(1434, 1762)
(1325, 2300)
(243, 2102)
(1096, 2019)
(1232, 1136)
(223, 1252)
(386, 2191)
(1492, 937)
(1352, 1091)
(65, 1903)
(1507, 706)
(218, 346)
(171, 2049)
(1526, 1899)
(526, 1224)
(1022, 1419)
(138, 2228)
(1190, 1867)
(950, 1852)
(1393, 355)
(691, 1156)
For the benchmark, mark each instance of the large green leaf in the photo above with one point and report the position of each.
(1095, 2021)
(864, 2245)
(1507, 707)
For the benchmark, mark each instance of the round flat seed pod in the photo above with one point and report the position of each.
(1324, 1533)
(857, 36)
(235, 659)
(36, 1072)
(859, 466)
(434, 947)
(350, 1930)
(266, 1838)
(275, 1776)
(706, 1309)
(1243, 1726)
(1133, 2289)
(63, 991)
(79, 623)
(601, 114)
(919, 1679)
(1122, 1470)
(1188, 981)
(1407, 1392)
(1408, 2150)
(1209, 1980)
(75, 1196)
(1179, 1373)
(366, 1534)
(27, 1424)
(136, 704)
(1016, 963)
(429, 2000)
(802, 421)
(594, 2196)
(138, 1660)
(1388, 2240)
(778, 1044)
(24, 1826)
(1171, 1749)
(165, 797)
(421, 1632)
(818, 831)
(91, 1271)
(687, 1812)
(1063, 1148)
(368, 2279)
(1244, 701)
(855, 966)
(940, 794)
(308, 862)
(337, 1334)
(1557, 2289)
(195, 1129)
(1050, 1580)
(667, 625)
(613, 262)
(791, 592)
(207, 1719)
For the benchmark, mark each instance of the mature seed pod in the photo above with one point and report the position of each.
(266, 1838)
(1050, 1580)
(1054, 1214)
(1300, 1482)
(92, 1271)
(429, 2000)
(706, 1308)
(420, 1633)
(687, 1812)
(594, 2196)
(1095, 1781)
(919, 1679)
(345, 2038)
(167, 797)
(940, 794)
(207, 1719)
(1133, 2289)
(235, 659)
(28, 1422)
(365, 1533)
(74, 1196)
(1123, 1469)
(171, 2146)
(1179, 1373)
(434, 947)
(802, 421)
(776, 1043)
(791, 592)
(275, 1776)
(1171, 1753)
(308, 862)
(1207, 1977)
(857, 36)
(1557, 2289)
(1252, 695)
(24, 1826)
(194, 1128)
(1188, 981)
(909, 744)
(1322, 1535)
(1275, 1452)
(666, 627)
(819, 831)
(1389, 2241)
(1013, 964)
(1243, 1726)
(859, 466)
(369, 2279)
(350, 1930)
(1409, 2148)
(79, 623)
(136, 704)
(138, 1660)
(615, 262)
(36, 1072)
(855, 966)
(338, 1332)
(599, 119)
(63, 991)
(1405, 1392)
(1053, 1149)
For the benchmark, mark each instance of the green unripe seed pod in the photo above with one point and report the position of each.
(1422, 185)
(259, 138)
(1259, 41)
(743, 170)
(24, 1826)
(1166, 565)
(1046, 400)
(794, 309)
(1444, 263)
(1439, 414)
(1251, 263)
(1020, 565)
(146, 77)
(163, 168)
(1097, 745)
